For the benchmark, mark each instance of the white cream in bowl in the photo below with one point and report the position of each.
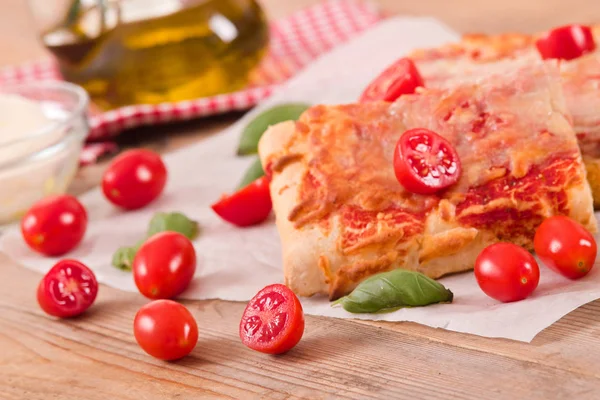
(38, 152)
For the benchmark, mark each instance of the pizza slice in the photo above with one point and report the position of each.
(478, 55)
(342, 216)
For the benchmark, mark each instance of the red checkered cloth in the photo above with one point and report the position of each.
(295, 41)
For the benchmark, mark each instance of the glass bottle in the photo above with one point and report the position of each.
(151, 51)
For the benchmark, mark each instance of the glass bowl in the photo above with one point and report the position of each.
(44, 161)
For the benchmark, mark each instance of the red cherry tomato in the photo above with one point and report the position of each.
(425, 162)
(67, 290)
(565, 246)
(250, 205)
(54, 225)
(506, 272)
(134, 179)
(273, 321)
(164, 265)
(566, 42)
(402, 77)
(165, 330)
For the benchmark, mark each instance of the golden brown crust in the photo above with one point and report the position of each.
(592, 166)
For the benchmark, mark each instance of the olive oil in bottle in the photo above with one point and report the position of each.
(150, 51)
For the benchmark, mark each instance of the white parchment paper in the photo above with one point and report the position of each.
(233, 263)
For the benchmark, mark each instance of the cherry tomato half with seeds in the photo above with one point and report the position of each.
(506, 272)
(55, 225)
(134, 179)
(566, 42)
(250, 205)
(402, 77)
(425, 162)
(67, 290)
(164, 265)
(565, 246)
(165, 330)
(273, 321)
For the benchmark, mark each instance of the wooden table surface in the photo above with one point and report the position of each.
(96, 357)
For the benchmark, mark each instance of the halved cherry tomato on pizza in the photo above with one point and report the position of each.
(54, 225)
(165, 330)
(506, 272)
(425, 162)
(273, 321)
(250, 205)
(402, 77)
(67, 290)
(565, 246)
(566, 42)
(134, 179)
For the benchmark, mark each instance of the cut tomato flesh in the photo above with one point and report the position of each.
(424, 162)
(68, 289)
(269, 322)
(273, 321)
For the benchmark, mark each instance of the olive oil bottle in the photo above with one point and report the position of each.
(150, 51)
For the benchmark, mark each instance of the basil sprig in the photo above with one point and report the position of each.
(392, 290)
(255, 128)
(160, 222)
(253, 172)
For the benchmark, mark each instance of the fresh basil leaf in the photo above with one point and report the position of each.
(392, 290)
(175, 222)
(160, 222)
(254, 172)
(123, 257)
(255, 129)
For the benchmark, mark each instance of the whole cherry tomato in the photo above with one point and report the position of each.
(67, 290)
(250, 205)
(164, 265)
(402, 77)
(566, 42)
(565, 246)
(134, 179)
(425, 162)
(273, 321)
(165, 330)
(54, 225)
(506, 272)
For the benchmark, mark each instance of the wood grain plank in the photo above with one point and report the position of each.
(336, 359)
(571, 344)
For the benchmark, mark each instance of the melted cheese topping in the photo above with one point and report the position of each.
(477, 56)
(505, 132)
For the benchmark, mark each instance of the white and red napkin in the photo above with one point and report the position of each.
(296, 40)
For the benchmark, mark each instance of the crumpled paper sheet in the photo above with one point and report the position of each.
(233, 263)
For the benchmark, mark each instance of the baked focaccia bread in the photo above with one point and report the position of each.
(480, 54)
(342, 215)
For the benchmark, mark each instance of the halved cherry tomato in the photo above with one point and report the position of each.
(566, 42)
(425, 162)
(273, 321)
(506, 272)
(250, 205)
(67, 290)
(54, 225)
(565, 246)
(134, 179)
(165, 330)
(164, 265)
(402, 77)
